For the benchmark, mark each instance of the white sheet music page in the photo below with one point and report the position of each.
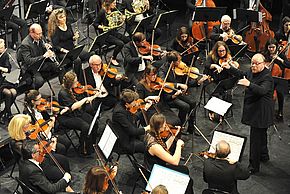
(175, 182)
(107, 141)
(218, 106)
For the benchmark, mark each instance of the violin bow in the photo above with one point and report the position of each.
(272, 61)
(188, 73)
(115, 187)
(181, 54)
(106, 72)
(167, 74)
(146, 180)
(152, 41)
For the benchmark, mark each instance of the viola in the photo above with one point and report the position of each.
(45, 147)
(111, 72)
(80, 89)
(147, 47)
(33, 130)
(158, 84)
(182, 69)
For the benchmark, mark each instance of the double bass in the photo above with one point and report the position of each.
(259, 33)
(198, 29)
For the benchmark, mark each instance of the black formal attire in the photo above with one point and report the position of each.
(109, 84)
(281, 36)
(16, 24)
(214, 169)
(184, 103)
(114, 38)
(129, 135)
(162, 106)
(30, 55)
(33, 176)
(257, 112)
(79, 120)
(285, 9)
(48, 166)
(150, 160)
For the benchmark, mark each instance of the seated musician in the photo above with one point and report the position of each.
(124, 123)
(96, 180)
(15, 23)
(7, 89)
(93, 76)
(37, 60)
(31, 173)
(146, 88)
(224, 32)
(276, 67)
(283, 33)
(39, 111)
(184, 102)
(62, 36)
(134, 63)
(18, 130)
(77, 118)
(114, 38)
(219, 54)
(221, 166)
(184, 44)
(158, 152)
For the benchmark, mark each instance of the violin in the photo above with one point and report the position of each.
(188, 45)
(45, 105)
(45, 147)
(111, 72)
(139, 104)
(80, 89)
(111, 174)
(158, 84)
(236, 39)
(207, 154)
(32, 130)
(170, 130)
(230, 61)
(182, 69)
(147, 47)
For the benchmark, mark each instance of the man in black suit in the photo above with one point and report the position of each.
(124, 124)
(32, 174)
(222, 174)
(94, 76)
(258, 111)
(37, 60)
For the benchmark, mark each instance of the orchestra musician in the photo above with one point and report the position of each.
(96, 180)
(16, 127)
(114, 38)
(7, 89)
(93, 75)
(145, 90)
(31, 173)
(62, 36)
(77, 118)
(183, 102)
(221, 166)
(124, 123)
(158, 152)
(37, 60)
(276, 68)
(258, 108)
(33, 102)
(134, 63)
(16, 24)
(283, 33)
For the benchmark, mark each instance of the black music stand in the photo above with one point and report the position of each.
(5, 16)
(71, 55)
(98, 44)
(71, 3)
(235, 48)
(36, 9)
(165, 19)
(247, 15)
(208, 14)
(143, 23)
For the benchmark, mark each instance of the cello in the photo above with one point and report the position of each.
(199, 29)
(259, 33)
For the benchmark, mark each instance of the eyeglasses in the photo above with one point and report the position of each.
(256, 63)
(220, 51)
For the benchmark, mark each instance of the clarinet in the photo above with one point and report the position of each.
(53, 58)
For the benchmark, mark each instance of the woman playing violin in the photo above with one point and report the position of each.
(184, 102)
(276, 67)
(158, 151)
(150, 86)
(77, 118)
(18, 129)
(97, 180)
(33, 101)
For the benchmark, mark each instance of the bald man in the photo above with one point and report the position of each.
(258, 108)
(36, 59)
(221, 174)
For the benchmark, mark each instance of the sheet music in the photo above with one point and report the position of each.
(175, 182)
(218, 106)
(236, 144)
(107, 141)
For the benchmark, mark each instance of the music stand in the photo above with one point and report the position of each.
(36, 9)
(99, 43)
(5, 16)
(71, 3)
(207, 14)
(247, 15)
(143, 23)
(71, 55)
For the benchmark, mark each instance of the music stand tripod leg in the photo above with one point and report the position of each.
(276, 130)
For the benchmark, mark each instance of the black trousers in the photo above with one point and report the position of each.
(258, 147)
(118, 39)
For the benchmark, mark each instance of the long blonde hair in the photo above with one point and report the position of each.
(15, 127)
(53, 21)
